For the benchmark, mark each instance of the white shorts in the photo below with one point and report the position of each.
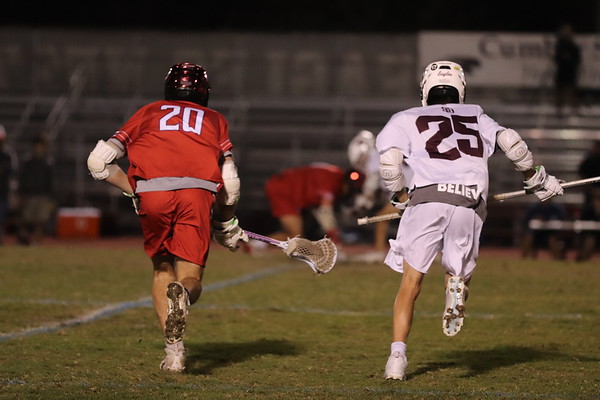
(428, 228)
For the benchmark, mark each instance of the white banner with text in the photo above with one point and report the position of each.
(496, 59)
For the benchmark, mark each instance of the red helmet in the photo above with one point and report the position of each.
(186, 81)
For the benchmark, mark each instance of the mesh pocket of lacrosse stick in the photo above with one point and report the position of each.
(320, 255)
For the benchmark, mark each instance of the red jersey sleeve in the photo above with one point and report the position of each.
(226, 145)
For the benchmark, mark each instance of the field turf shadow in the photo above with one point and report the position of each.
(480, 362)
(203, 358)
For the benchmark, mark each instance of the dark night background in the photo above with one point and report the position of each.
(377, 16)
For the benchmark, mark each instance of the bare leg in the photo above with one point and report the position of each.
(164, 273)
(404, 306)
(190, 276)
(586, 247)
(169, 269)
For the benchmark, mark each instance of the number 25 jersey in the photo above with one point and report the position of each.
(442, 144)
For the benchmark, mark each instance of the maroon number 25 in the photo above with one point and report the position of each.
(448, 126)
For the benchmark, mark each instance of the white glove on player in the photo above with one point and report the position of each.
(543, 185)
(400, 205)
(228, 233)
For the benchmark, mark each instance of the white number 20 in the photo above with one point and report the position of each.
(186, 118)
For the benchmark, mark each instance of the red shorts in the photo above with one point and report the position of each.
(280, 198)
(177, 222)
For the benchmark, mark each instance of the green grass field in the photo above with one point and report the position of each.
(76, 323)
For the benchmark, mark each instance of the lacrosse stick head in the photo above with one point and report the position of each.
(320, 255)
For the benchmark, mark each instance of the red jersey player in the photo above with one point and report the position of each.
(180, 162)
(316, 187)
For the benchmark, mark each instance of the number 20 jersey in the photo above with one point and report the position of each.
(176, 140)
(442, 144)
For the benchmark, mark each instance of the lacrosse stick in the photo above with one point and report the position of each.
(496, 197)
(320, 255)
(378, 218)
(565, 185)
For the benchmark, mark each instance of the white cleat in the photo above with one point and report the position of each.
(175, 359)
(454, 313)
(396, 367)
(178, 301)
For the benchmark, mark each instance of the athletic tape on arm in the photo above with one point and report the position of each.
(390, 169)
(516, 149)
(231, 182)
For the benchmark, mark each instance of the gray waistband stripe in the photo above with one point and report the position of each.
(456, 194)
(175, 183)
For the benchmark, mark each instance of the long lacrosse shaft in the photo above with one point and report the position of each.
(377, 218)
(520, 193)
(262, 238)
(496, 197)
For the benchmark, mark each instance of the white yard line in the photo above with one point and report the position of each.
(118, 308)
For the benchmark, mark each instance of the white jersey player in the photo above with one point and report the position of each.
(435, 159)
(364, 157)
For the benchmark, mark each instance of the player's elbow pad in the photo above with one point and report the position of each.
(231, 182)
(516, 149)
(102, 157)
(390, 169)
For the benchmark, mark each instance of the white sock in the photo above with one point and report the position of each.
(399, 347)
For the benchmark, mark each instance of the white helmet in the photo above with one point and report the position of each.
(359, 149)
(443, 73)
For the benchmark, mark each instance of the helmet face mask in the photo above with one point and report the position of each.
(189, 82)
(360, 148)
(439, 78)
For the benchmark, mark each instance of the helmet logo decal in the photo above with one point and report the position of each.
(442, 73)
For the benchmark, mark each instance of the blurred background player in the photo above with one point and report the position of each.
(434, 159)
(374, 199)
(36, 198)
(567, 60)
(7, 171)
(590, 209)
(534, 239)
(180, 160)
(312, 192)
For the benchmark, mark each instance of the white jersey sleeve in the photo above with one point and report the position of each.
(442, 144)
